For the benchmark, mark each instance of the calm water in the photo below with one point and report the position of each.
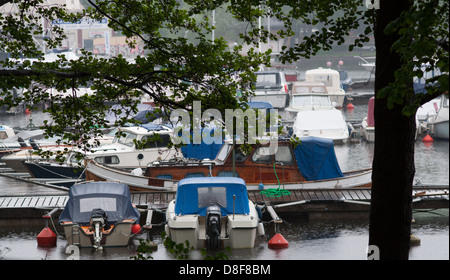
(330, 240)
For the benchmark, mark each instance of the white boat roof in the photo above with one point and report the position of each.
(323, 119)
(140, 130)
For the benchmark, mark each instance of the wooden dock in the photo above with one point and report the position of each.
(423, 197)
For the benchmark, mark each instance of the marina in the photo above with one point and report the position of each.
(306, 217)
(83, 71)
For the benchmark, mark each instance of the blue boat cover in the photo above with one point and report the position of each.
(195, 195)
(259, 105)
(113, 198)
(316, 159)
(203, 150)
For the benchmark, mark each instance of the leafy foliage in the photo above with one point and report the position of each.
(181, 63)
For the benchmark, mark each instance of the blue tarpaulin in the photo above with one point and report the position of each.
(316, 159)
(203, 150)
(195, 195)
(113, 198)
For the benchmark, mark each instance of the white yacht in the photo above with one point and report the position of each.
(332, 80)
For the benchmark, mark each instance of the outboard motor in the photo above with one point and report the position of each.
(97, 222)
(213, 227)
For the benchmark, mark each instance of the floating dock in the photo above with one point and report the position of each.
(313, 204)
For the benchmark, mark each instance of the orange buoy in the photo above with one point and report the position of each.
(427, 139)
(136, 229)
(278, 242)
(350, 106)
(46, 238)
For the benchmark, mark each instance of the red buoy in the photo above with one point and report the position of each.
(350, 106)
(278, 242)
(46, 238)
(427, 139)
(136, 229)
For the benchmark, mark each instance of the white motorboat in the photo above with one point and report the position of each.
(425, 114)
(308, 96)
(323, 123)
(271, 86)
(122, 153)
(332, 80)
(213, 213)
(440, 124)
(29, 150)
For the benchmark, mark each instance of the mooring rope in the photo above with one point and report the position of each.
(271, 192)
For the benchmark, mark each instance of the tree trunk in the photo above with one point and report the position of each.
(393, 164)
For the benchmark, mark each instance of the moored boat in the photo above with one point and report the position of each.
(367, 128)
(311, 164)
(99, 214)
(213, 213)
(271, 86)
(332, 81)
(122, 153)
(329, 124)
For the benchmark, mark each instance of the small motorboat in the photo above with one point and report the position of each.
(99, 214)
(271, 86)
(213, 213)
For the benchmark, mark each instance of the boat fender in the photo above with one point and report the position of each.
(166, 229)
(261, 231)
(137, 172)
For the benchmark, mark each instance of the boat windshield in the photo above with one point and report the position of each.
(208, 196)
(308, 100)
(305, 89)
(223, 152)
(127, 139)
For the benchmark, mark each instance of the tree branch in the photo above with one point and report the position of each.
(31, 72)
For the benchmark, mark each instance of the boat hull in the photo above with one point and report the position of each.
(43, 170)
(441, 130)
(96, 172)
(118, 236)
(367, 132)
